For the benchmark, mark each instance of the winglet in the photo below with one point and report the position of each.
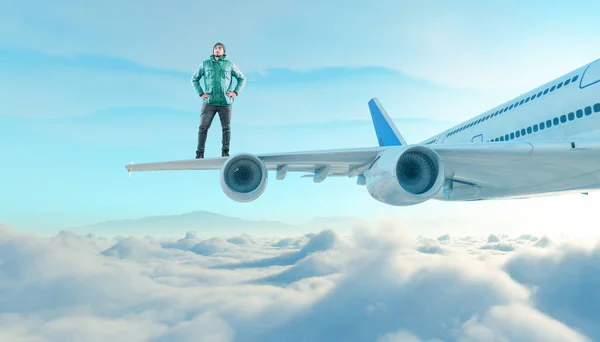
(387, 133)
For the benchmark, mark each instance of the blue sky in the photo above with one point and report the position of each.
(88, 87)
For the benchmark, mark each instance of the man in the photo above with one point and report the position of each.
(217, 95)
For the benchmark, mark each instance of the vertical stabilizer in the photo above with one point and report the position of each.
(386, 131)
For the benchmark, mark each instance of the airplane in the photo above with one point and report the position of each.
(544, 142)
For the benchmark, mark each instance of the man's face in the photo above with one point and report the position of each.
(218, 50)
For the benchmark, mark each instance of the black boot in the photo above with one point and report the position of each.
(199, 155)
(225, 154)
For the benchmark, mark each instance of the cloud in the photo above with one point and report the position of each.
(503, 247)
(371, 285)
(326, 240)
(565, 282)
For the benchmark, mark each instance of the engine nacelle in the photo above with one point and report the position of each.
(243, 177)
(406, 176)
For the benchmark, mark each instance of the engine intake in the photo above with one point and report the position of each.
(243, 177)
(416, 172)
(406, 176)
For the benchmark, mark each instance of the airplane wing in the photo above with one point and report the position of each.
(521, 167)
(346, 162)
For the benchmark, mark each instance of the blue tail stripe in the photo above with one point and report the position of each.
(385, 133)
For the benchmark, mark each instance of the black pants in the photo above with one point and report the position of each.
(206, 118)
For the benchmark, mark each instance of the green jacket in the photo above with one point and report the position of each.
(217, 80)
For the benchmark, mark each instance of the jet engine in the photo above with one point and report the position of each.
(243, 177)
(405, 176)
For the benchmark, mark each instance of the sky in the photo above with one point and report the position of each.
(89, 87)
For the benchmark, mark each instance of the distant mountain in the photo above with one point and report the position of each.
(203, 222)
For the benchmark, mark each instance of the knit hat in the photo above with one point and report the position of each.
(224, 51)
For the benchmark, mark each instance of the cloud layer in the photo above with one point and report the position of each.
(375, 285)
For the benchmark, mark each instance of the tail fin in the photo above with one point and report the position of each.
(386, 131)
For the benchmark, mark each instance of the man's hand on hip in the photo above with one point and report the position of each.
(231, 93)
(204, 96)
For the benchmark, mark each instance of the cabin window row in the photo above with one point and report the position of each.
(516, 104)
(578, 114)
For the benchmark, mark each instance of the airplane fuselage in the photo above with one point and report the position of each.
(567, 107)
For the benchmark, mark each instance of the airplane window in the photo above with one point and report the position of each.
(542, 125)
(555, 121)
(520, 103)
(546, 91)
(527, 100)
(575, 78)
(567, 82)
(579, 113)
(535, 128)
(549, 123)
(522, 131)
(533, 97)
(571, 116)
(563, 118)
(512, 135)
(506, 137)
(588, 110)
(517, 134)
(529, 130)
(559, 85)
(552, 89)
(539, 94)
(511, 107)
(597, 107)
(501, 138)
